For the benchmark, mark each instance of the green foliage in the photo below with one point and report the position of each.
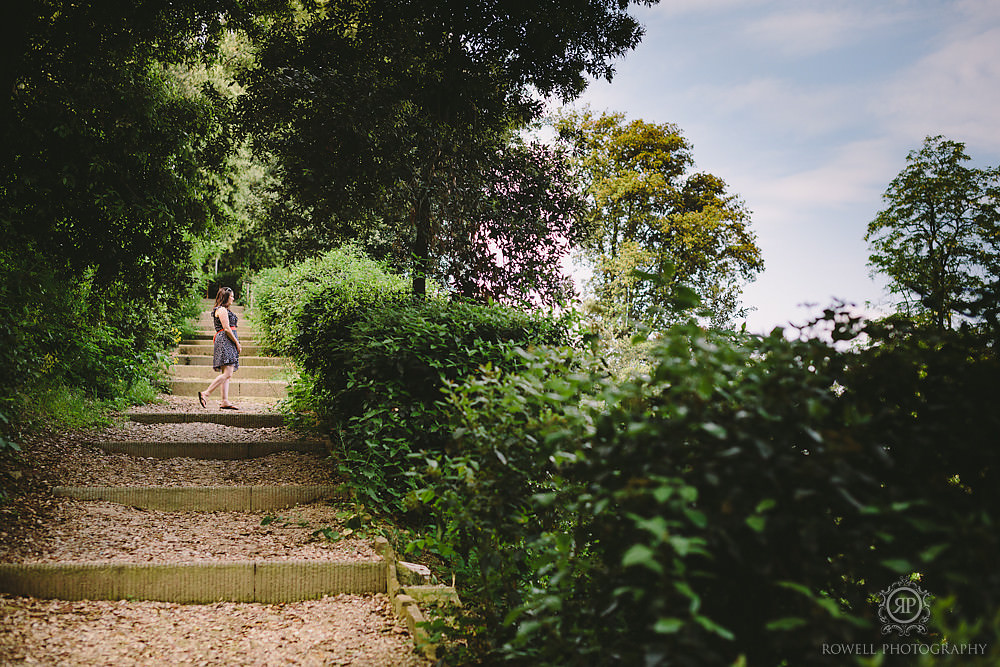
(74, 342)
(233, 279)
(67, 407)
(111, 167)
(741, 502)
(938, 239)
(378, 371)
(348, 281)
(445, 85)
(930, 395)
(648, 213)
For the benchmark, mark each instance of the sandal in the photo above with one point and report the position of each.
(229, 407)
(201, 399)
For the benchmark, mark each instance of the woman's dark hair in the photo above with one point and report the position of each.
(222, 296)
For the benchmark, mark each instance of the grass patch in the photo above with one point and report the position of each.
(66, 407)
(71, 407)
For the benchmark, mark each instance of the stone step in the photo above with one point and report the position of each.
(225, 418)
(237, 388)
(209, 450)
(270, 582)
(205, 335)
(206, 347)
(250, 360)
(208, 304)
(182, 371)
(206, 498)
(206, 315)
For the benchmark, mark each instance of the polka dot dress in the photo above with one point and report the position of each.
(224, 352)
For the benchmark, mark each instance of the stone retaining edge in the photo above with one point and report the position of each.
(219, 451)
(405, 603)
(193, 583)
(206, 498)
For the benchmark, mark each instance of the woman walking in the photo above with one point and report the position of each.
(226, 350)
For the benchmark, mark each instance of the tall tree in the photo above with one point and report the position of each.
(373, 109)
(650, 215)
(506, 236)
(938, 237)
(109, 163)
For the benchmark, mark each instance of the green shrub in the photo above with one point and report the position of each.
(741, 503)
(347, 278)
(69, 335)
(931, 402)
(378, 369)
(233, 279)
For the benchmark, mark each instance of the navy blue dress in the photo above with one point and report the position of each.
(224, 352)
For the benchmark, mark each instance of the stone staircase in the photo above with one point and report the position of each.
(257, 385)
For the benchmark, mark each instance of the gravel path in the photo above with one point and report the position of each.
(74, 531)
(171, 403)
(344, 630)
(68, 458)
(188, 432)
(38, 527)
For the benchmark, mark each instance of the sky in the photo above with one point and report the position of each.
(808, 109)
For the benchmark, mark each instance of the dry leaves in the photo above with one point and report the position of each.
(342, 630)
(37, 527)
(74, 531)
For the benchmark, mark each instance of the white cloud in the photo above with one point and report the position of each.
(979, 11)
(784, 107)
(812, 137)
(953, 91)
(672, 8)
(807, 32)
(855, 175)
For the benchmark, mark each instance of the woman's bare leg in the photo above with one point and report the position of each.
(221, 380)
(225, 387)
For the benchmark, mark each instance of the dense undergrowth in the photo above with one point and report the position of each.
(376, 360)
(744, 502)
(74, 350)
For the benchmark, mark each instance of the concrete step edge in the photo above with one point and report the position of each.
(194, 583)
(208, 349)
(241, 419)
(249, 360)
(238, 389)
(207, 373)
(218, 451)
(207, 498)
(207, 337)
(236, 379)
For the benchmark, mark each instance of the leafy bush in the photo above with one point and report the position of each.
(347, 278)
(65, 334)
(378, 368)
(931, 400)
(741, 503)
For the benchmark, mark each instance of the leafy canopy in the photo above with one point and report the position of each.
(650, 215)
(938, 237)
(395, 122)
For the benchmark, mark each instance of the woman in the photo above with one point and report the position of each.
(226, 351)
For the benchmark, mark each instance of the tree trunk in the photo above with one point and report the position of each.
(421, 217)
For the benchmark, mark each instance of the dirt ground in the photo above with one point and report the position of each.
(38, 527)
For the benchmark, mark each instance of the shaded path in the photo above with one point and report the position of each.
(185, 505)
